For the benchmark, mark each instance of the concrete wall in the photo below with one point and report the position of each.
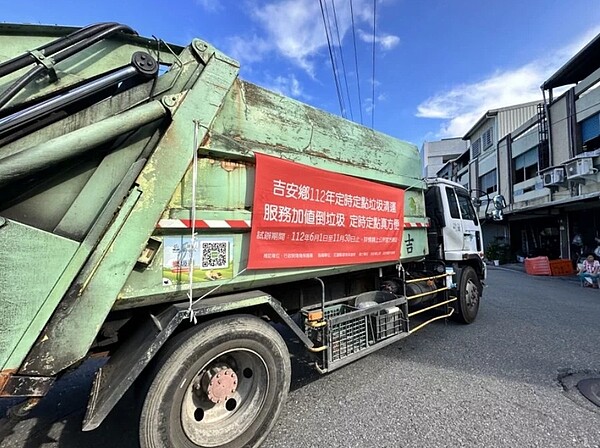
(504, 170)
(436, 154)
(559, 130)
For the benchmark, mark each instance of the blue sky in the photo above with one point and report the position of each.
(438, 64)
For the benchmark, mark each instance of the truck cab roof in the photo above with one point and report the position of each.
(438, 180)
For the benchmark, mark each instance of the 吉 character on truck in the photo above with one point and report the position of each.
(176, 211)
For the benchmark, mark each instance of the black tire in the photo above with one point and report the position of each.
(177, 411)
(469, 296)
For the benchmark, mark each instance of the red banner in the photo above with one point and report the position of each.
(304, 216)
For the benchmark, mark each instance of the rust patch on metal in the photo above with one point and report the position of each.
(229, 166)
(4, 377)
(205, 140)
(26, 386)
(219, 384)
(257, 95)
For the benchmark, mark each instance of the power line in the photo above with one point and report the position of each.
(333, 65)
(356, 62)
(337, 30)
(373, 93)
(336, 66)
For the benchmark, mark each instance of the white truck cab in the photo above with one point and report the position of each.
(455, 237)
(462, 232)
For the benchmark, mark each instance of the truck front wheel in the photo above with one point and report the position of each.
(469, 296)
(219, 384)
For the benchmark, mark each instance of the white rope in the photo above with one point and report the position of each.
(192, 302)
(190, 311)
(218, 286)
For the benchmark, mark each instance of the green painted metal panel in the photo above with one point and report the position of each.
(31, 261)
(147, 287)
(159, 179)
(77, 317)
(225, 190)
(414, 205)
(414, 244)
(61, 191)
(76, 222)
(222, 185)
(255, 119)
(58, 293)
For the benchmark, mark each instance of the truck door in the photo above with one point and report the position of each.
(470, 223)
(461, 233)
(453, 231)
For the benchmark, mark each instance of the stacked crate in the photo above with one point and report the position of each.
(561, 267)
(543, 266)
(537, 266)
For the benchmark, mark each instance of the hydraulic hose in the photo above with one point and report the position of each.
(142, 64)
(50, 48)
(10, 93)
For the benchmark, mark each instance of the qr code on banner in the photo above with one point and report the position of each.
(215, 254)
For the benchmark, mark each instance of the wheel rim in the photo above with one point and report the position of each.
(212, 416)
(472, 294)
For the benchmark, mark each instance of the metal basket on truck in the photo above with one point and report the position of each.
(374, 319)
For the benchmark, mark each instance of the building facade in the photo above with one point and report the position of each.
(481, 168)
(438, 153)
(544, 158)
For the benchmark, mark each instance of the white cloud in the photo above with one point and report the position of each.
(387, 41)
(211, 5)
(463, 105)
(247, 49)
(294, 29)
(367, 101)
(500, 89)
(286, 85)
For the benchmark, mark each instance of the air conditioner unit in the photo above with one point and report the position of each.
(580, 167)
(556, 176)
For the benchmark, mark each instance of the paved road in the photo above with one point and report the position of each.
(505, 381)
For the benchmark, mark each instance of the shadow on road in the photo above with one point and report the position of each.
(56, 421)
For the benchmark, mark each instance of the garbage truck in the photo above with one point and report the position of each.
(161, 212)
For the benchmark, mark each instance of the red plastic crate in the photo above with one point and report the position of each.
(561, 267)
(537, 266)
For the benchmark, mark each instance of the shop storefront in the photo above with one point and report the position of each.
(568, 230)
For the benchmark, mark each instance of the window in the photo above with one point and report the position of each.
(487, 138)
(525, 166)
(488, 182)
(476, 147)
(452, 204)
(590, 132)
(466, 206)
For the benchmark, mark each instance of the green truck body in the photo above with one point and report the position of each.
(107, 154)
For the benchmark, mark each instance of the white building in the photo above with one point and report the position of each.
(436, 154)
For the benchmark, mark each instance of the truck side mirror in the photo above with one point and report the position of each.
(499, 203)
(497, 215)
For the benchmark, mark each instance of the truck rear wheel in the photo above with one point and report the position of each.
(219, 384)
(469, 296)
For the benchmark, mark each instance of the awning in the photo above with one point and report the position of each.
(578, 67)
